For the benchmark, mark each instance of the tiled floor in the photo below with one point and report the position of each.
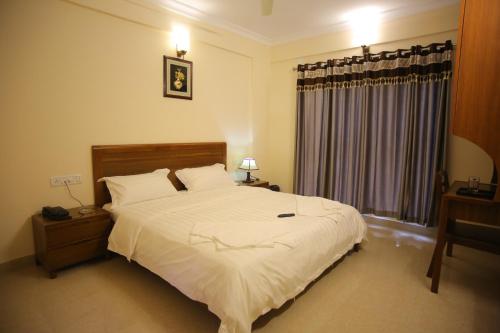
(382, 288)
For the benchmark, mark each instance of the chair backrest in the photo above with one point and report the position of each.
(441, 185)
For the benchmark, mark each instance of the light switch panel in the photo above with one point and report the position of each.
(69, 179)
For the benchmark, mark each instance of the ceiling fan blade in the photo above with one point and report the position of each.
(266, 7)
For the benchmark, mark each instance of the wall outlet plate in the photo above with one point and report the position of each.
(70, 179)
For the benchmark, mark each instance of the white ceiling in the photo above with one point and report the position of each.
(291, 19)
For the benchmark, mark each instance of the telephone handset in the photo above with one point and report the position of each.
(55, 213)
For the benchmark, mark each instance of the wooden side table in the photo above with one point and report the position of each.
(62, 243)
(478, 226)
(256, 183)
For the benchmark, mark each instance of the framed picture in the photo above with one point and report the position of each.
(177, 78)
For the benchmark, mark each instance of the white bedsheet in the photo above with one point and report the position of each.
(227, 248)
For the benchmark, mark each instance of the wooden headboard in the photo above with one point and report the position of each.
(121, 160)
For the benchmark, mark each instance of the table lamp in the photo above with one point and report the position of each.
(248, 164)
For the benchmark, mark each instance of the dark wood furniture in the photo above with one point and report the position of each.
(441, 187)
(62, 243)
(256, 183)
(467, 221)
(475, 96)
(121, 160)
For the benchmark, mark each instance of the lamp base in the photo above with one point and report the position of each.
(248, 180)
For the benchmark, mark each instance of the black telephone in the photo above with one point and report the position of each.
(55, 213)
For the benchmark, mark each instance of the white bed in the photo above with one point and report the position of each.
(226, 247)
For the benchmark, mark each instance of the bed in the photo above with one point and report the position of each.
(224, 247)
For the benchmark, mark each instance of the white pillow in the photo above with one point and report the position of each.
(126, 190)
(205, 178)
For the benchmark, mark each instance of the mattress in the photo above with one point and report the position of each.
(228, 249)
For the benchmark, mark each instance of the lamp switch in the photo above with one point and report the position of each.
(69, 179)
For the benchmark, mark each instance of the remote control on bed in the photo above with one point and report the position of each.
(286, 215)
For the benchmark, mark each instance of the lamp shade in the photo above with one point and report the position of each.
(249, 164)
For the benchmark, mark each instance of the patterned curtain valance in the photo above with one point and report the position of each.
(418, 64)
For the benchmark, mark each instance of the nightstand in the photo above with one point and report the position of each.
(62, 243)
(256, 183)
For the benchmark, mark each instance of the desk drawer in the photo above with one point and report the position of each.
(72, 254)
(77, 231)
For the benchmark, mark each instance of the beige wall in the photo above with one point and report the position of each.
(72, 77)
(77, 73)
(464, 158)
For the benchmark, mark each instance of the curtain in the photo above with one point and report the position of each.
(371, 130)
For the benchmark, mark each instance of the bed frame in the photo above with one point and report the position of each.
(117, 160)
(121, 160)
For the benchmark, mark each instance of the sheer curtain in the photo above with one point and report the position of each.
(371, 130)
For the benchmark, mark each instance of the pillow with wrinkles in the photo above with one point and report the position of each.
(126, 190)
(205, 178)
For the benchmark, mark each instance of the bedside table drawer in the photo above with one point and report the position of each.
(72, 254)
(77, 231)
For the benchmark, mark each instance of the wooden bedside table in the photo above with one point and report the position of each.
(62, 243)
(256, 183)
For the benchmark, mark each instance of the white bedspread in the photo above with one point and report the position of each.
(227, 248)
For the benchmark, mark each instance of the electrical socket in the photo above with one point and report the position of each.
(70, 179)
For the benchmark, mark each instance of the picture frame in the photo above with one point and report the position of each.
(177, 78)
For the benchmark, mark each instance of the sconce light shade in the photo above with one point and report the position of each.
(180, 38)
(365, 25)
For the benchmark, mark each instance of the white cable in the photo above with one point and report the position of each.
(83, 209)
(71, 194)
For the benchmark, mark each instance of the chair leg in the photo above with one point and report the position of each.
(449, 249)
(431, 265)
(436, 270)
(430, 270)
(437, 257)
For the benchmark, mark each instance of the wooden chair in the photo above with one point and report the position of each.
(442, 185)
(464, 220)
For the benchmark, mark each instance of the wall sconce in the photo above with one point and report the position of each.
(180, 38)
(365, 23)
(180, 53)
(366, 51)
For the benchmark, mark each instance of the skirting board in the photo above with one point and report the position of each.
(16, 263)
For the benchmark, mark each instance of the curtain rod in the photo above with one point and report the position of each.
(366, 50)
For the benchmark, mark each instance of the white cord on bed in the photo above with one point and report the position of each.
(223, 246)
(216, 241)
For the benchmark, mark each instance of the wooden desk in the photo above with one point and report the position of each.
(465, 221)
